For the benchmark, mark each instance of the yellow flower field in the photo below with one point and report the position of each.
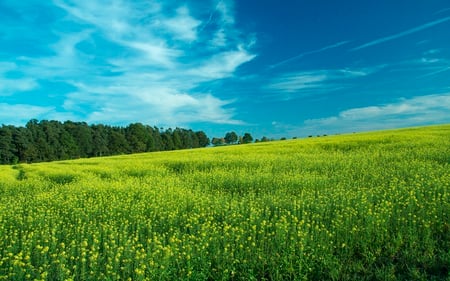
(372, 206)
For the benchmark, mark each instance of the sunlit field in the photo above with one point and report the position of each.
(372, 206)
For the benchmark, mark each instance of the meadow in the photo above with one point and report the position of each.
(367, 206)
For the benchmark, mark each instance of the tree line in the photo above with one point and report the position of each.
(41, 141)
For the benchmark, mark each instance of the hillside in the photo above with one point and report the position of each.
(360, 206)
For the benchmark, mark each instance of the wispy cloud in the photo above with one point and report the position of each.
(299, 56)
(9, 86)
(401, 34)
(19, 114)
(127, 61)
(442, 11)
(416, 111)
(291, 85)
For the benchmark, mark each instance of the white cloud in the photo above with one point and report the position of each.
(416, 111)
(223, 64)
(183, 26)
(402, 34)
(286, 85)
(19, 114)
(9, 86)
(128, 61)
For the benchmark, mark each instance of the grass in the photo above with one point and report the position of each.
(371, 206)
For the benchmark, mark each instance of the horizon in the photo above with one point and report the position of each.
(293, 70)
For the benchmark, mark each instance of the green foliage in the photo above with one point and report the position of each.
(247, 138)
(231, 137)
(53, 140)
(352, 207)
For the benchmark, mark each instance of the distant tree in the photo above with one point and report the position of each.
(117, 143)
(52, 140)
(283, 138)
(264, 139)
(136, 135)
(176, 138)
(217, 141)
(39, 141)
(247, 138)
(23, 143)
(157, 144)
(192, 140)
(167, 140)
(7, 148)
(189, 139)
(231, 137)
(100, 135)
(82, 135)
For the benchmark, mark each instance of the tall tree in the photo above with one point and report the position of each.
(203, 139)
(137, 136)
(24, 144)
(100, 135)
(39, 140)
(7, 148)
(176, 138)
(82, 134)
(167, 140)
(117, 143)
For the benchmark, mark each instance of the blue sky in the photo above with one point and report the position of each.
(272, 68)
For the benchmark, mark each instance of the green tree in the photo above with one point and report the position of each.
(100, 135)
(117, 143)
(137, 136)
(203, 139)
(231, 137)
(167, 140)
(7, 148)
(247, 138)
(176, 138)
(23, 142)
(217, 141)
(39, 141)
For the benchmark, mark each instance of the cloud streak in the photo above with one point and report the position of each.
(306, 83)
(294, 58)
(401, 34)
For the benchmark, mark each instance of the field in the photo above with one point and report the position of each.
(372, 206)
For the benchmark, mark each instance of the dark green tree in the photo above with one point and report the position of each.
(39, 140)
(7, 148)
(23, 142)
(82, 135)
(203, 139)
(247, 138)
(167, 140)
(217, 141)
(117, 143)
(176, 138)
(137, 136)
(231, 137)
(100, 136)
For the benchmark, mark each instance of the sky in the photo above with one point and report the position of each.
(268, 67)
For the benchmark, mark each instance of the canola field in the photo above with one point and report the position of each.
(372, 206)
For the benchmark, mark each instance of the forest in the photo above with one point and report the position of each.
(41, 141)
